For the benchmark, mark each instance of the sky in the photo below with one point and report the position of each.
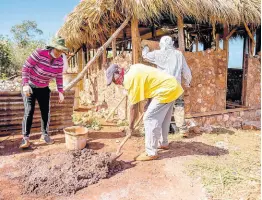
(50, 16)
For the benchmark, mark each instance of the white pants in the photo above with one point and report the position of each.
(156, 121)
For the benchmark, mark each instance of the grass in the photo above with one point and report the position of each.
(235, 175)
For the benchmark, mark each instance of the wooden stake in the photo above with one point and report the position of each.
(135, 40)
(111, 113)
(217, 41)
(181, 37)
(196, 44)
(258, 40)
(225, 43)
(114, 46)
(98, 54)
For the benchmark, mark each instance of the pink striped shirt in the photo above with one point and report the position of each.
(39, 71)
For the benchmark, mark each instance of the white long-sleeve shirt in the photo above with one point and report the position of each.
(171, 61)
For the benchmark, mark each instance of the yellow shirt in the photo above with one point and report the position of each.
(145, 82)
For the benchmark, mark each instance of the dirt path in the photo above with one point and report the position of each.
(154, 180)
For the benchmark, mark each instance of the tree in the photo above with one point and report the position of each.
(5, 56)
(24, 33)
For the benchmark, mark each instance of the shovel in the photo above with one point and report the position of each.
(118, 153)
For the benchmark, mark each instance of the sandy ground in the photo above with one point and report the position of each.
(164, 178)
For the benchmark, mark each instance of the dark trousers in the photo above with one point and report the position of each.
(42, 95)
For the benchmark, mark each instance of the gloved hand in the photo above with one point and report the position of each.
(61, 97)
(27, 90)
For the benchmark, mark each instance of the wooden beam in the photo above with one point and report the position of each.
(225, 42)
(98, 54)
(217, 41)
(157, 33)
(231, 33)
(249, 33)
(245, 68)
(114, 48)
(135, 40)
(181, 37)
(258, 40)
(196, 44)
(226, 48)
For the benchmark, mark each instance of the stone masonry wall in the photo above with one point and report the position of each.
(234, 119)
(207, 91)
(253, 90)
(208, 86)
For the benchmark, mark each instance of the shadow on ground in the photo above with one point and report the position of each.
(180, 148)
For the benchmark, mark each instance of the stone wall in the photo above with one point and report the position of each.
(234, 119)
(207, 91)
(96, 92)
(253, 82)
(208, 86)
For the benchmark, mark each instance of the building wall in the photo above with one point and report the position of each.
(208, 86)
(234, 119)
(253, 81)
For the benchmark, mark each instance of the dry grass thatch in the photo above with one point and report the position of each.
(92, 21)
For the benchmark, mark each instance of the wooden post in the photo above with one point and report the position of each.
(217, 41)
(244, 77)
(135, 40)
(80, 67)
(225, 41)
(114, 47)
(99, 52)
(104, 60)
(196, 43)
(181, 37)
(258, 40)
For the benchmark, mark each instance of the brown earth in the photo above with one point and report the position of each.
(159, 179)
(67, 172)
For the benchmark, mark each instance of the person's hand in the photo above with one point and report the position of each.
(27, 90)
(61, 97)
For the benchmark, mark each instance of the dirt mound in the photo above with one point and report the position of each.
(66, 173)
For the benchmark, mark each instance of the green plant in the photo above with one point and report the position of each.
(86, 119)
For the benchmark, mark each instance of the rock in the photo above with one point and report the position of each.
(225, 117)
(206, 129)
(195, 130)
(237, 125)
(97, 128)
(251, 125)
(221, 145)
(258, 113)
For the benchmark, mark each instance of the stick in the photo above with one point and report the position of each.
(249, 33)
(97, 55)
(115, 108)
(128, 135)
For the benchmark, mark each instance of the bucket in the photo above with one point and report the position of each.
(75, 137)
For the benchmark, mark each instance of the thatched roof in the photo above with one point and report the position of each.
(92, 21)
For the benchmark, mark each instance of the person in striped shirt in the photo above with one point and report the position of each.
(42, 66)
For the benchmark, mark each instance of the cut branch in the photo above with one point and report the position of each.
(231, 33)
(249, 33)
(97, 55)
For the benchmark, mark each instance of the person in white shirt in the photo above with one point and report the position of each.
(173, 62)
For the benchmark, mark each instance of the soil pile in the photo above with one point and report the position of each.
(66, 173)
